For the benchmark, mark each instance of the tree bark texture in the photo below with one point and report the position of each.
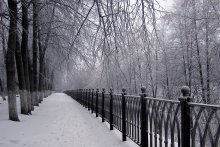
(30, 69)
(35, 53)
(24, 49)
(21, 79)
(10, 61)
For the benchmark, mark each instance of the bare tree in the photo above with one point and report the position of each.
(42, 51)
(21, 79)
(10, 61)
(25, 51)
(2, 90)
(35, 53)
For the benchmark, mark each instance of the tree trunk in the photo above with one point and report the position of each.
(188, 59)
(41, 67)
(35, 53)
(31, 83)
(41, 76)
(21, 79)
(42, 51)
(10, 61)
(3, 40)
(51, 77)
(3, 36)
(135, 80)
(46, 79)
(4, 50)
(185, 70)
(207, 65)
(4, 55)
(198, 54)
(24, 49)
(206, 13)
(2, 90)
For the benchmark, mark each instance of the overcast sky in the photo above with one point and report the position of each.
(166, 4)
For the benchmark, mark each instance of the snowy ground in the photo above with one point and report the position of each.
(58, 122)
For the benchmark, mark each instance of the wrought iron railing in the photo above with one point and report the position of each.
(155, 122)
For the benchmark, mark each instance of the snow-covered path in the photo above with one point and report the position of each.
(58, 122)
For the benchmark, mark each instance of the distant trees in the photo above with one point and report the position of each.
(197, 43)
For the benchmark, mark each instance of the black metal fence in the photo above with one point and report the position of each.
(153, 122)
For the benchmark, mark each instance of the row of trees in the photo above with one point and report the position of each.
(131, 44)
(116, 44)
(41, 41)
(24, 56)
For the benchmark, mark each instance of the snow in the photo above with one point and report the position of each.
(58, 122)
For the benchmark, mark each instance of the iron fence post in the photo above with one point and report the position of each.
(123, 103)
(86, 102)
(185, 116)
(96, 103)
(87, 93)
(87, 98)
(144, 135)
(103, 105)
(111, 109)
(83, 97)
(76, 94)
(80, 95)
(89, 90)
(92, 101)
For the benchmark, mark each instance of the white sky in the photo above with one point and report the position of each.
(166, 4)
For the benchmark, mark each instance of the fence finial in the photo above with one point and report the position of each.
(143, 89)
(111, 90)
(185, 90)
(123, 90)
